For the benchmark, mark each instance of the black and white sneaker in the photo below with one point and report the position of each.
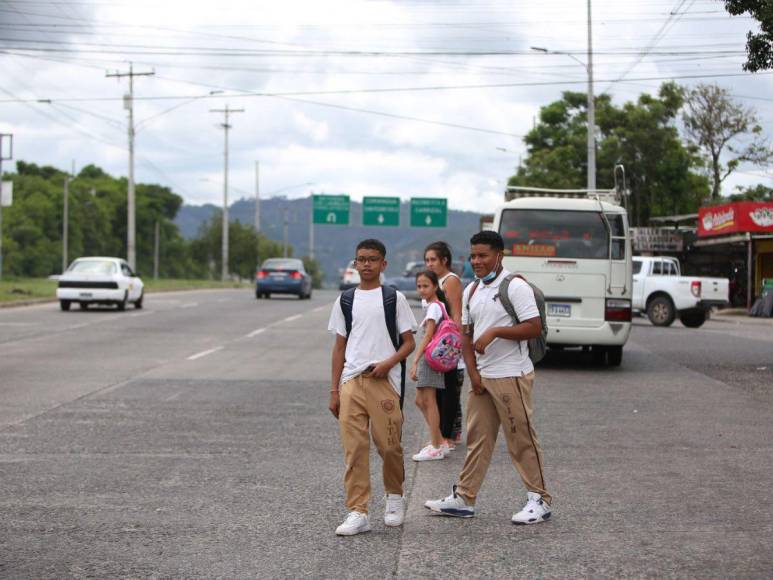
(534, 512)
(453, 505)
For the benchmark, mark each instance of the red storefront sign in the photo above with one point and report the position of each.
(736, 217)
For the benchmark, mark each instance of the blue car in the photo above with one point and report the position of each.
(282, 276)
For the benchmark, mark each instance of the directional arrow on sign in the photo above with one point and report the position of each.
(428, 220)
(331, 218)
(380, 218)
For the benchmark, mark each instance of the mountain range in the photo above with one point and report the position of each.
(334, 244)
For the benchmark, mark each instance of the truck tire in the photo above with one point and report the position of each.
(661, 311)
(693, 318)
(64, 305)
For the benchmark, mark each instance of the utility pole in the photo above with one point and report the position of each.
(128, 103)
(591, 109)
(155, 252)
(65, 222)
(227, 111)
(3, 157)
(284, 231)
(311, 225)
(257, 196)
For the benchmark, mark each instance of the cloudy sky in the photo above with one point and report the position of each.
(409, 97)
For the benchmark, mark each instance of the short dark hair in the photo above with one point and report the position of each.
(489, 238)
(442, 250)
(372, 244)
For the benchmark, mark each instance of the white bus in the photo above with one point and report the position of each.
(576, 247)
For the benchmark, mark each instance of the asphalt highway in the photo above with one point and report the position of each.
(192, 439)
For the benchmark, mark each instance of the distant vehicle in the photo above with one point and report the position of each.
(576, 247)
(407, 282)
(350, 277)
(664, 294)
(99, 280)
(282, 276)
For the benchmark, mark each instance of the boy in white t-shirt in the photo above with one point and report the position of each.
(366, 386)
(496, 354)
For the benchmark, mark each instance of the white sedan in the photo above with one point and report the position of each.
(99, 281)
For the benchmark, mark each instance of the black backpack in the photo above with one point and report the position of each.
(538, 344)
(389, 296)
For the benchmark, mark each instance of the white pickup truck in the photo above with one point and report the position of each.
(663, 293)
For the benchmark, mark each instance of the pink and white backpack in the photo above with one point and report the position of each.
(445, 349)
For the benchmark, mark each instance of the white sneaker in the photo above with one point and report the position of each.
(429, 453)
(453, 505)
(534, 512)
(355, 523)
(394, 512)
(446, 449)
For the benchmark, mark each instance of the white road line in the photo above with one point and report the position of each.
(318, 308)
(190, 305)
(173, 397)
(256, 332)
(18, 323)
(205, 353)
(138, 314)
(291, 318)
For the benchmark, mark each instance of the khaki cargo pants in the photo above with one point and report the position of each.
(370, 404)
(506, 402)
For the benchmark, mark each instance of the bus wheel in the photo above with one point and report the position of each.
(614, 356)
(599, 355)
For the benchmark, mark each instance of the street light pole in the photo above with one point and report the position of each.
(227, 111)
(591, 109)
(257, 196)
(3, 157)
(591, 152)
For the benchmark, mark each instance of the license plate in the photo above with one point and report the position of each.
(560, 310)
(277, 275)
(86, 295)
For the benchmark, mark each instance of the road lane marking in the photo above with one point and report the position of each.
(138, 314)
(291, 318)
(318, 308)
(256, 332)
(173, 397)
(19, 323)
(205, 353)
(189, 305)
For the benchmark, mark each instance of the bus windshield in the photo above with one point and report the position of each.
(554, 234)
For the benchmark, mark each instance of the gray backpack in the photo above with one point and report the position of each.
(539, 344)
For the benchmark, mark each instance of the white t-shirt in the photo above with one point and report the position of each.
(503, 358)
(432, 311)
(369, 341)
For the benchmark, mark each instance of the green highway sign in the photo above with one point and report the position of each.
(331, 209)
(429, 212)
(381, 211)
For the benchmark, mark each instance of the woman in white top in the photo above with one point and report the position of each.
(438, 259)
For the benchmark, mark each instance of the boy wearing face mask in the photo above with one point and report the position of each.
(496, 354)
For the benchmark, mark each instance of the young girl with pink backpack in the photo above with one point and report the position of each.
(438, 352)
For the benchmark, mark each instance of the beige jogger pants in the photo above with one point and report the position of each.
(506, 402)
(369, 402)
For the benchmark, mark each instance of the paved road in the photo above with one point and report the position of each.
(191, 439)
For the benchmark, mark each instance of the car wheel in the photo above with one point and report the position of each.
(599, 355)
(64, 305)
(84, 305)
(258, 295)
(122, 304)
(614, 356)
(138, 303)
(693, 319)
(266, 295)
(661, 311)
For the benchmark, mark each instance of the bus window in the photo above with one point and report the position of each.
(554, 233)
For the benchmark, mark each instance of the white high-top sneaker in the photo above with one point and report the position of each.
(453, 505)
(534, 512)
(394, 512)
(355, 523)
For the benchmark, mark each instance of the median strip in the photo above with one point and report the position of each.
(205, 353)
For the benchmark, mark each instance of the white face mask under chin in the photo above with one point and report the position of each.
(491, 275)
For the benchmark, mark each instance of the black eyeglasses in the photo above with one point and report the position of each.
(367, 259)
